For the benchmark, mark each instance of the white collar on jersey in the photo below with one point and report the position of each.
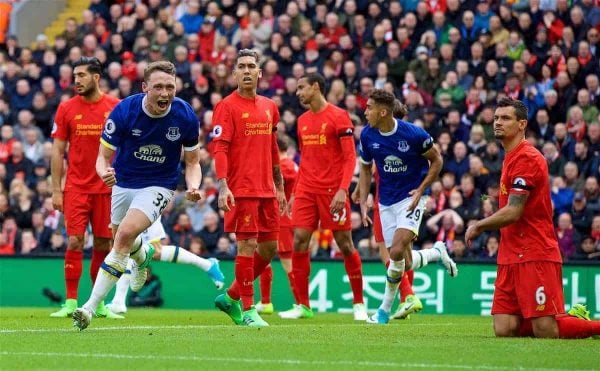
(387, 134)
(151, 115)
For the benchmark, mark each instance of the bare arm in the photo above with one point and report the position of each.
(57, 167)
(364, 186)
(193, 174)
(103, 168)
(435, 165)
(503, 217)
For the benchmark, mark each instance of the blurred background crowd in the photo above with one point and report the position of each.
(447, 60)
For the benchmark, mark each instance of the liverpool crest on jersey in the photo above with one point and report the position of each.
(173, 134)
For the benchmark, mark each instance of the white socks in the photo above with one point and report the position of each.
(110, 271)
(394, 275)
(139, 256)
(421, 258)
(123, 286)
(175, 254)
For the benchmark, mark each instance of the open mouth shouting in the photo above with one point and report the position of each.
(162, 104)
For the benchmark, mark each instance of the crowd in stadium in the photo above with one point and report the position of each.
(447, 60)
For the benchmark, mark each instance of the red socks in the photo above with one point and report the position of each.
(353, 267)
(73, 268)
(243, 286)
(292, 286)
(97, 260)
(300, 274)
(406, 284)
(569, 327)
(247, 268)
(266, 278)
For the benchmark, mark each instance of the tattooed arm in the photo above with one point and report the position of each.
(503, 217)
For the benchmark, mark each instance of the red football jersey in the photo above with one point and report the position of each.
(289, 171)
(248, 125)
(80, 123)
(321, 157)
(531, 238)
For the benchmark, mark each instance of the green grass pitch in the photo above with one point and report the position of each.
(155, 339)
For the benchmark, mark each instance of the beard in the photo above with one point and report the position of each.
(87, 91)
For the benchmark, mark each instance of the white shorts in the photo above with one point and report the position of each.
(155, 232)
(150, 200)
(397, 216)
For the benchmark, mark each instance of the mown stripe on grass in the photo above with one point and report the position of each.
(187, 327)
(299, 362)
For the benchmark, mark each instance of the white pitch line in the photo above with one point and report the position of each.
(184, 327)
(264, 361)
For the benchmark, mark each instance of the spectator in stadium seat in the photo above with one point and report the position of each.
(568, 237)
(591, 191)
(582, 158)
(471, 198)
(211, 232)
(10, 237)
(32, 145)
(588, 250)
(18, 165)
(7, 140)
(562, 196)
(450, 86)
(191, 19)
(476, 61)
(492, 158)
(25, 121)
(490, 249)
(589, 111)
(469, 31)
(446, 226)
(563, 141)
(581, 216)
(23, 97)
(197, 212)
(182, 232)
(572, 176)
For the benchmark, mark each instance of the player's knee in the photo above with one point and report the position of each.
(545, 327)
(301, 241)
(125, 238)
(504, 330)
(75, 243)
(397, 253)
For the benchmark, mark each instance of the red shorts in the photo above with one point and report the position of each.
(377, 230)
(310, 208)
(285, 246)
(254, 218)
(531, 289)
(83, 208)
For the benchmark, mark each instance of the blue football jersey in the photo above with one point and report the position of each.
(398, 156)
(148, 148)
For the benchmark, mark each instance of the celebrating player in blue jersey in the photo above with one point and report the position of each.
(407, 163)
(147, 132)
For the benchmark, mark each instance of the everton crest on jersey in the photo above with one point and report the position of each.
(148, 148)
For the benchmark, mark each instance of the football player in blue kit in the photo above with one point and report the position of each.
(407, 163)
(140, 154)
